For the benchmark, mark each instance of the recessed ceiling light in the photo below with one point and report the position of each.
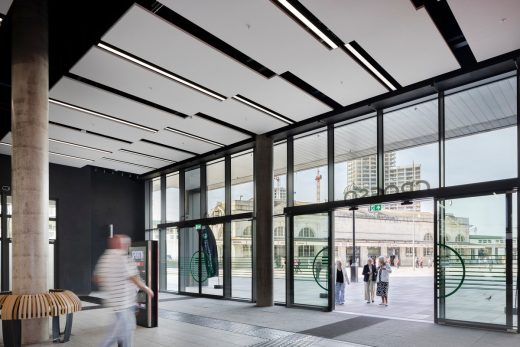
(262, 109)
(101, 115)
(308, 23)
(80, 146)
(149, 66)
(194, 137)
(366, 63)
(146, 155)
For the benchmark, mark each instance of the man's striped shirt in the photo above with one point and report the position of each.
(114, 270)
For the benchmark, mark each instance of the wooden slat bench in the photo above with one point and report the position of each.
(15, 308)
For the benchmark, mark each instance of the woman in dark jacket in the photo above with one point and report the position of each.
(369, 277)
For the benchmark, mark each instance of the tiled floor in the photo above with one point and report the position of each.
(211, 322)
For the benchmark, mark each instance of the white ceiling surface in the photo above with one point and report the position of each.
(262, 31)
(490, 27)
(199, 62)
(4, 6)
(158, 151)
(180, 141)
(404, 41)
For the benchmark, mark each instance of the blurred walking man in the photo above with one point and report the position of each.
(117, 276)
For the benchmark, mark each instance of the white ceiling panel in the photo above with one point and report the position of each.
(158, 151)
(261, 30)
(118, 166)
(64, 115)
(403, 40)
(106, 68)
(179, 52)
(75, 151)
(490, 27)
(137, 159)
(83, 138)
(209, 130)
(235, 112)
(284, 98)
(181, 141)
(5, 5)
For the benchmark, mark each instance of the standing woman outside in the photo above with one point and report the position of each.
(369, 277)
(341, 278)
(382, 280)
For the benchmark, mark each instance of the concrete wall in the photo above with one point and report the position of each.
(89, 199)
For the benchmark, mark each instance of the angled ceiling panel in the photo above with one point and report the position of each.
(64, 115)
(137, 159)
(234, 112)
(83, 138)
(118, 166)
(158, 151)
(181, 141)
(261, 30)
(209, 130)
(5, 5)
(108, 69)
(402, 39)
(490, 27)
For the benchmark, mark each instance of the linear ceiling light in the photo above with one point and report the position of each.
(70, 156)
(80, 146)
(262, 109)
(146, 155)
(160, 71)
(127, 163)
(54, 153)
(308, 23)
(365, 62)
(101, 115)
(194, 137)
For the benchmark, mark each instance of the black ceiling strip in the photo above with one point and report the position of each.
(221, 122)
(145, 155)
(169, 147)
(210, 39)
(289, 120)
(90, 132)
(128, 163)
(162, 69)
(311, 18)
(298, 82)
(373, 62)
(125, 95)
(441, 14)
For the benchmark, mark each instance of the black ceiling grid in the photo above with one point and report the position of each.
(223, 97)
(372, 62)
(313, 19)
(128, 163)
(124, 150)
(260, 107)
(90, 132)
(304, 86)
(444, 19)
(126, 95)
(184, 24)
(226, 124)
(169, 147)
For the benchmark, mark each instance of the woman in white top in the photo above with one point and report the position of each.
(383, 276)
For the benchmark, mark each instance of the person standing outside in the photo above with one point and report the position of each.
(117, 276)
(341, 278)
(383, 280)
(369, 277)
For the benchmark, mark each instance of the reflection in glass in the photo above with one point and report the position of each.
(355, 159)
(481, 133)
(215, 185)
(474, 258)
(311, 260)
(411, 160)
(280, 258)
(192, 194)
(172, 198)
(310, 168)
(242, 190)
(241, 259)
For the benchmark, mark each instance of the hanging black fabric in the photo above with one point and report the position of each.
(209, 248)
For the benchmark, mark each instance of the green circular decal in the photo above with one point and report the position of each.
(445, 261)
(319, 265)
(194, 267)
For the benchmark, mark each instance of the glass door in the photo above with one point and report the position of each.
(189, 261)
(474, 261)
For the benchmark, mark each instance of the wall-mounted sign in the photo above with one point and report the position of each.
(375, 207)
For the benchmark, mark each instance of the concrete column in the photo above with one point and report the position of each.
(264, 220)
(30, 156)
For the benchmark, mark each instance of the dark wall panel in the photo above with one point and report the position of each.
(89, 199)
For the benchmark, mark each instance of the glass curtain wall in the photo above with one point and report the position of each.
(215, 172)
(172, 259)
(241, 259)
(192, 194)
(156, 202)
(355, 159)
(279, 231)
(310, 168)
(242, 185)
(411, 147)
(172, 198)
(481, 139)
